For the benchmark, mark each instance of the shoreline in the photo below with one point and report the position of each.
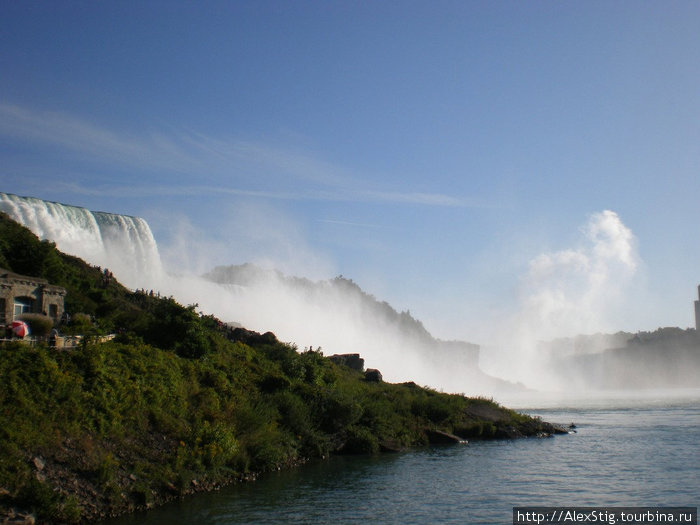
(87, 495)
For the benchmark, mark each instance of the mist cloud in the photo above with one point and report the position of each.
(568, 292)
(563, 293)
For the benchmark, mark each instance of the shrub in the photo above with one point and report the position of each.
(339, 411)
(216, 444)
(80, 323)
(107, 468)
(293, 411)
(40, 325)
(274, 382)
(267, 449)
(434, 408)
(360, 441)
(49, 505)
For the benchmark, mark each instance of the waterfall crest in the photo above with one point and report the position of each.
(123, 243)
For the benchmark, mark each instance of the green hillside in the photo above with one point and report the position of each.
(179, 402)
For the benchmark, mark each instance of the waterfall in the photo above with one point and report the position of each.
(122, 243)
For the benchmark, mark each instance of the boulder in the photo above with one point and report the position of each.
(38, 463)
(373, 375)
(353, 361)
(438, 437)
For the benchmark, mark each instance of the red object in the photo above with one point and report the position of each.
(20, 328)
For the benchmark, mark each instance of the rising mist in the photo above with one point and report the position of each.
(564, 293)
(567, 292)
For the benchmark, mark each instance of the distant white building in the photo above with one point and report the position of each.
(697, 312)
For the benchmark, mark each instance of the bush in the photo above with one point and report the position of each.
(360, 441)
(294, 413)
(107, 468)
(40, 325)
(216, 444)
(80, 323)
(49, 505)
(338, 411)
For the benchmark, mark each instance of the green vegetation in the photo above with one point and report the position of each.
(180, 402)
(40, 325)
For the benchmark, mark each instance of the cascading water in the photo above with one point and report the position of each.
(123, 243)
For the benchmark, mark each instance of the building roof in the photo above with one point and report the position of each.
(10, 277)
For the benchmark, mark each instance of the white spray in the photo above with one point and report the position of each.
(124, 244)
(573, 291)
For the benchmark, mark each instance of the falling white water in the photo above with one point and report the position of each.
(124, 244)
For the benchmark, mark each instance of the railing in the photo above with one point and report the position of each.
(62, 342)
(27, 340)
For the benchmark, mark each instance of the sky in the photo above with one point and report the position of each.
(461, 160)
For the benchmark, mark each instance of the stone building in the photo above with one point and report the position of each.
(20, 294)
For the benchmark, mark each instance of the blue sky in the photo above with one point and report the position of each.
(430, 151)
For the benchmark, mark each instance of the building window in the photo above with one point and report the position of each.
(23, 305)
(3, 320)
(53, 311)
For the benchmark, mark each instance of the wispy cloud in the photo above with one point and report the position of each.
(428, 199)
(350, 223)
(213, 162)
(76, 135)
(331, 195)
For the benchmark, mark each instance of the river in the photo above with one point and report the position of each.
(628, 450)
